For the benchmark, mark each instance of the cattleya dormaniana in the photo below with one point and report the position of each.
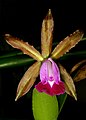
(50, 72)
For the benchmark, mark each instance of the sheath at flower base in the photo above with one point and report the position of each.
(50, 79)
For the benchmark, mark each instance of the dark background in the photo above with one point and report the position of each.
(23, 18)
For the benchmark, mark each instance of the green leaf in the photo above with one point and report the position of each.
(61, 101)
(76, 54)
(19, 60)
(16, 58)
(44, 107)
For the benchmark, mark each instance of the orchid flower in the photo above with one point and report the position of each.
(50, 79)
(51, 74)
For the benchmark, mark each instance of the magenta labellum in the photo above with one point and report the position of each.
(50, 79)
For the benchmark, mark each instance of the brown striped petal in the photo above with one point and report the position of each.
(46, 34)
(70, 87)
(28, 80)
(65, 45)
(81, 74)
(24, 47)
(76, 66)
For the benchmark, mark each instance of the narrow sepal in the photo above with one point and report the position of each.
(70, 87)
(46, 34)
(81, 74)
(28, 80)
(76, 66)
(67, 43)
(24, 47)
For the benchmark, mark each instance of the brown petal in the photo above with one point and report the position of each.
(28, 80)
(81, 74)
(24, 46)
(46, 34)
(77, 65)
(65, 45)
(68, 91)
(68, 81)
